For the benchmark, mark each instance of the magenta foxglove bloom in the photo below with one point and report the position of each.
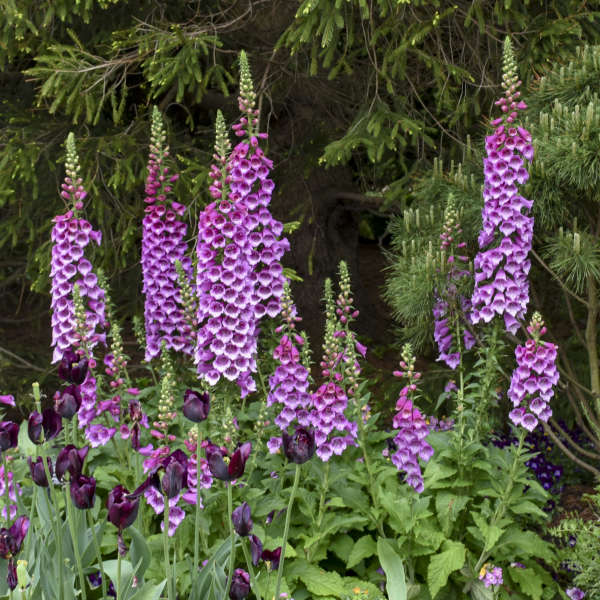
(13, 489)
(532, 383)
(7, 399)
(239, 277)
(163, 243)
(411, 428)
(502, 264)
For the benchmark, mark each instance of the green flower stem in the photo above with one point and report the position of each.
(197, 521)
(369, 467)
(118, 590)
(99, 553)
(286, 528)
(250, 569)
(55, 522)
(6, 491)
(321, 513)
(501, 508)
(232, 536)
(75, 539)
(166, 549)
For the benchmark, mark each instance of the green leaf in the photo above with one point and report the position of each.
(443, 564)
(316, 580)
(528, 580)
(448, 507)
(139, 551)
(149, 591)
(526, 507)
(363, 548)
(394, 571)
(489, 533)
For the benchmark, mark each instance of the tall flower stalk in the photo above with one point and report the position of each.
(502, 263)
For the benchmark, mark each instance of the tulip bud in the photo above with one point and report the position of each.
(38, 474)
(83, 489)
(299, 447)
(73, 367)
(196, 406)
(242, 523)
(34, 427)
(240, 585)
(67, 402)
(9, 435)
(174, 479)
(256, 549)
(70, 459)
(51, 423)
(122, 507)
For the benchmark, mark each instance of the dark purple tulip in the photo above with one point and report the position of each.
(73, 367)
(122, 507)
(174, 479)
(9, 435)
(38, 474)
(83, 489)
(242, 523)
(70, 459)
(135, 410)
(256, 549)
(240, 585)
(52, 423)
(11, 575)
(237, 462)
(299, 447)
(34, 427)
(12, 539)
(135, 436)
(196, 405)
(67, 401)
(272, 557)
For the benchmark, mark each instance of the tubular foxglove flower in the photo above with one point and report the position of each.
(239, 277)
(502, 264)
(235, 465)
(11, 541)
(532, 382)
(122, 507)
(300, 447)
(240, 585)
(163, 243)
(9, 435)
(83, 489)
(242, 521)
(196, 405)
(411, 428)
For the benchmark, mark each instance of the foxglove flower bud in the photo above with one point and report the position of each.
(70, 459)
(196, 405)
(122, 507)
(67, 401)
(242, 522)
(240, 585)
(38, 474)
(9, 435)
(300, 447)
(234, 469)
(73, 367)
(83, 489)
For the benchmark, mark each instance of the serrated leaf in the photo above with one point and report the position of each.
(528, 580)
(443, 564)
(316, 580)
(448, 506)
(363, 548)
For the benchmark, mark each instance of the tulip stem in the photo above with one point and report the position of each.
(250, 570)
(99, 553)
(6, 490)
(232, 535)
(286, 528)
(118, 573)
(197, 522)
(166, 549)
(74, 538)
(56, 523)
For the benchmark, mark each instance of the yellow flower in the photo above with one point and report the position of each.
(483, 570)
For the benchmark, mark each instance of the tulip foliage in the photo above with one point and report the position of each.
(232, 470)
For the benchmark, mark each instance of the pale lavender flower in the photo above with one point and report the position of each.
(490, 575)
(575, 593)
